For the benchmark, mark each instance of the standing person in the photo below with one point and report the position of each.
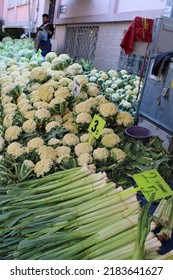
(45, 45)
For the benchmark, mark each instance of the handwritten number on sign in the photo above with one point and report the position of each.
(94, 128)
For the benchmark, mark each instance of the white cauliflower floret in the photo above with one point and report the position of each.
(110, 140)
(81, 79)
(22, 102)
(125, 104)
(57, 75)
(29, 126)
(43, 166)
(123, 72)
(41, 104)
(70, 126)
(82, 107)
(125, 119)
(64, 82)
(29, 114)
(62, 92)
(84, 158)
(63, 151)
(118, 154)
(8, 119)
(76, 68)
(54, 141)
(108, 109)
(92, 89)
(83, 148)
(28, 163)
(51, 125)
(70, 139)
(57, 63)
(35, 143)
(46, 64)
(103, 75)
(57, 118)
(47, 152)
(57, 100)
(46, 92)
(100, 154)
(50, 56)
(25, 108)
(83, 118)
(2, 142)
(112, 73)
(106, 130)
(15, 149)
(34, 96)
(87, 137)
(68, 117)
(9, 106)
(38, 74)
(12, 133)
(42, 113)
(6, 99)
(64, 56)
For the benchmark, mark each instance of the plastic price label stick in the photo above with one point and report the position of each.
(96, 126)
(151, 182)
(76, 88)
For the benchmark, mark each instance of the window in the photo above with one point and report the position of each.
(22, 2)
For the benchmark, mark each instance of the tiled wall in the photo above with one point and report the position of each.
(108, 45)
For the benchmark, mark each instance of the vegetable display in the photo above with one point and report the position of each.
(71, 214)
(59, 186)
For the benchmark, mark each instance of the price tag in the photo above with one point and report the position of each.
(76, 87)
(151, 182)
(96, 126)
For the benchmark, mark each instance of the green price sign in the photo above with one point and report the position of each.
(96, 126)
(151, 182)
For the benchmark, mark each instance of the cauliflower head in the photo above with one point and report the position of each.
(125, 119)
(70, 139)
(35, 143)
(101, 154)
(12, 133)
(43, 166)
(110, 140)
(83, 148)
(118, 154)
(39, 74)
(63, 151)
(84, 158)
(46, 92)
(29, 126)
(47, 152)
(108, 109)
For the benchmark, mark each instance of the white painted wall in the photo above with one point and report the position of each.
(139, 5)
(77, 8)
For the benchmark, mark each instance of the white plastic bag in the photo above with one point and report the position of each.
(42, 35)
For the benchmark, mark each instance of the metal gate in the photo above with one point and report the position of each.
(133, 63)
(80, 42)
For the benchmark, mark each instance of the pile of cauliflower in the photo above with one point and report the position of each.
(43, 121)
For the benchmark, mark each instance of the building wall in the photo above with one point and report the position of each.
(2, 9)
(113, 18)
(108, 45)
(16, 12)
(89, 11)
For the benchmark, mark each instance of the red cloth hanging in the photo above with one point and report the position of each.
(139, 30)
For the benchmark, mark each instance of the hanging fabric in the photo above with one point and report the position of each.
(139, 30)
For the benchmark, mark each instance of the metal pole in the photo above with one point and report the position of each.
(29, 18)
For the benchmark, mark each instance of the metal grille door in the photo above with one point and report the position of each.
(80, 42)
(132, 63)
